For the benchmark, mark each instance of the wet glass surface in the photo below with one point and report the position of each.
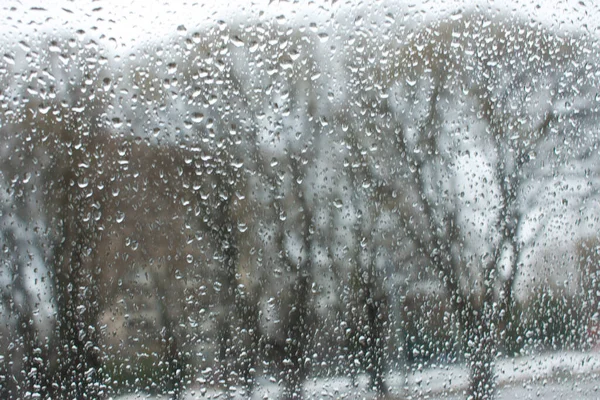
(299, 200)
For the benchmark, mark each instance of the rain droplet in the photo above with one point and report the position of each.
(237, 42)
(83, 183)
(197, 117)
(323, 37)
(9, 59)
(237, 164)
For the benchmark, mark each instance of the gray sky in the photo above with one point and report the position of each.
(125, 23)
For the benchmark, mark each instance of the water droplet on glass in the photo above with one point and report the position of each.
(197, 117)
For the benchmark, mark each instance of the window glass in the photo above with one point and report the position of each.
(290, 200)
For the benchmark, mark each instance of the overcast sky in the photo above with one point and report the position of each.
(125, 23)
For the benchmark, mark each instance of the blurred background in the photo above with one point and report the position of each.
(298, 200)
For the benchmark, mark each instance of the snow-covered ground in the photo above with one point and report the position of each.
(561, 375)
(568, 375)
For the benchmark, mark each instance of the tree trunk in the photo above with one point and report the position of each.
(294, 368)
(372, 321)
(248, 338)
(77, 303)
(227, 297)
(480, 353)
(376, 342)
(224, 341)
(78, 353)
(175, 374)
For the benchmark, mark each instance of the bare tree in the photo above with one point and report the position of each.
(424, 151)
